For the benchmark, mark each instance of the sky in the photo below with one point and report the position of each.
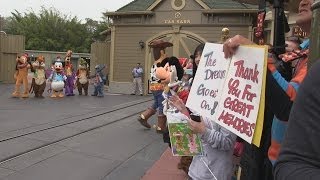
(81, 8)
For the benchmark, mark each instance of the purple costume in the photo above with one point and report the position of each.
(70, 75)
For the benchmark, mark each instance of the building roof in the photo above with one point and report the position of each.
(137, 5)
(228, 4)
(143, 5)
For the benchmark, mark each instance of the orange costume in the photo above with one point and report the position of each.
(22, 76)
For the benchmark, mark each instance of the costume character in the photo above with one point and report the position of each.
(21, 75)
(156, 85)
(172, 74)
(82, 77)
(39, 78)
(57, 79)
(98, 81)
(68, 68)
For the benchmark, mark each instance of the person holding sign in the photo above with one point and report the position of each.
(218, 142)
(280, 93)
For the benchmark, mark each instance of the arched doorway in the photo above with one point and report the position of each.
(184, 43)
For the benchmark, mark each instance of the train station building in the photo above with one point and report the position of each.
(185, 23)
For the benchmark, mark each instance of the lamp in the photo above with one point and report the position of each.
(141, 44)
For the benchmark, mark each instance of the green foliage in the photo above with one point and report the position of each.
(52, 31)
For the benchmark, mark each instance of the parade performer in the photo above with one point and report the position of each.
(57, 79)
(68, 67)
(82, 77)
(21, 75)
(171, 74)
(39, 78)
(98, 81)
(156, 86)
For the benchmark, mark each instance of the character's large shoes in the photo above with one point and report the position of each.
(25, 95)
(144, 123)
(53, 95)
(61, 95)
(162, 124)
(143, 117)
(15, 94)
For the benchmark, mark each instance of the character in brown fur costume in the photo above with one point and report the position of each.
(82, 78)
(22, 76)
(39, 79)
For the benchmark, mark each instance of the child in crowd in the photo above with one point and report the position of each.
(218, 142)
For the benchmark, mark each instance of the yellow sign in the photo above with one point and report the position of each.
(259, 124)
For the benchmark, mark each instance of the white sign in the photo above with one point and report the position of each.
(206, 88)
(228, 90)
(240, 99)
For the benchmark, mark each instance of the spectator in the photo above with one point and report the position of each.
(300, 154)
(137, 73)
(217, 142)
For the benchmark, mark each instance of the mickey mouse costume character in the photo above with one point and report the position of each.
(156, 85)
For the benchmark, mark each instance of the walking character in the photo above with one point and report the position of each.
(39, 78)
(57, 79)
(98, 81)
(156, 87)
(21, 76)
(82, 77)
(68, 67)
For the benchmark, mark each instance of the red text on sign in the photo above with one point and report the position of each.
(245, 72)
(238, 124)
(237, 106)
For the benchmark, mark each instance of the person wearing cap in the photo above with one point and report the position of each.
(280, 93)
(156, 87)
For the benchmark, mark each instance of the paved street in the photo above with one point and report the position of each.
(75, 138)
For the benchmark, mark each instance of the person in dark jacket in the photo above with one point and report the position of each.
(300, 154)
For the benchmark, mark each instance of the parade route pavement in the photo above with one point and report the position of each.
(75, 138)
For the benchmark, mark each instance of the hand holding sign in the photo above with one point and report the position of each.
(231, 45)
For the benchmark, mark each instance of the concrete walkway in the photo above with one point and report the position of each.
(165, 168)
